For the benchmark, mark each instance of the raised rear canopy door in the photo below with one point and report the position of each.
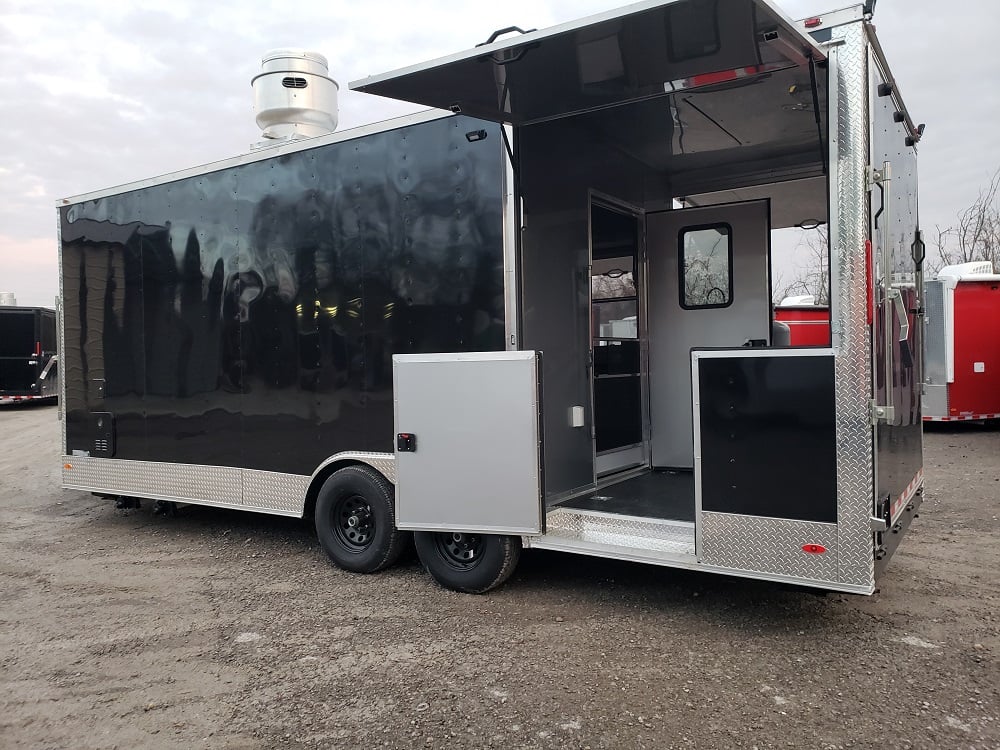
(642, 51)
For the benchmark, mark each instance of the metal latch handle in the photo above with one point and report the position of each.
(904, 319)
(501, 32)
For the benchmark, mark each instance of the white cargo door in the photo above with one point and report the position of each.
(468, 442)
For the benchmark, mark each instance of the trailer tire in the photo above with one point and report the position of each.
(356, 521)
(471, 563)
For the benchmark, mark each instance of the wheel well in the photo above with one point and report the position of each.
(313, 492)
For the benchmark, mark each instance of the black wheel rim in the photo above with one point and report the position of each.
(460, 551)
(353, 523)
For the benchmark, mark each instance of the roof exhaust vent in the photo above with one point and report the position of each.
(294, 98)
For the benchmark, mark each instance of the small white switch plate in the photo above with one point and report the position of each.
(576, 416)
(979, 367)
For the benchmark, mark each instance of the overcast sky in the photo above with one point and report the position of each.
(98, 94)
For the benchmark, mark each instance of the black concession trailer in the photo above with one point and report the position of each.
(29, 369)
(537, 315)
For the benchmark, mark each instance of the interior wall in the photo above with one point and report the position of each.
(560, 164)
(675, 331)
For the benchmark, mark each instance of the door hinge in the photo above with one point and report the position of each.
(882, 413)
(877, 177)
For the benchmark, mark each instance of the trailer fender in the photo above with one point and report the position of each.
(383, 463)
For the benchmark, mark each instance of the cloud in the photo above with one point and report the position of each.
(99, 94)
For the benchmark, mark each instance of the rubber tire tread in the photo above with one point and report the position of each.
(498, 563)
(389, 542)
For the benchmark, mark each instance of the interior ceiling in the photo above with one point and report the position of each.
(760, 128)
(615, 58)
(792, 202)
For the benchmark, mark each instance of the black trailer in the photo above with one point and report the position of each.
(541, 319)
(29, 367)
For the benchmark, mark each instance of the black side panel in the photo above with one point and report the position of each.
(899, 443)
(248, 317)
(768, 438)
(27, 341)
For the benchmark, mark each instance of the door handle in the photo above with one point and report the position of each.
(904, 319)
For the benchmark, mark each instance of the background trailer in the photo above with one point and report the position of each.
(29, 367)
(963, 344)
(495, 329)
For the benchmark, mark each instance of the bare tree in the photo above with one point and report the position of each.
(812, 275)
(976, 235)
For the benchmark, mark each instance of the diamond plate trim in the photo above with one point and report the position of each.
(620, 531)
(274, 491)
(384, 463)
(160, 480)
(268, 491)
(769, 545)
(851, 337)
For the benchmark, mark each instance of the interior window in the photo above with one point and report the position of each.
(706, 272)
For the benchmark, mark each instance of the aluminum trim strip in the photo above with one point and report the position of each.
(750, 353)
(196, 484)
(769, 545)
(274, 492)
(61, 333)
(503, 356)
(511, 233)
(685, 562)
(383, 463)
(634, 533)
(851, 336)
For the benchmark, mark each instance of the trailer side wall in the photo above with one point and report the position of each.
(246, 317)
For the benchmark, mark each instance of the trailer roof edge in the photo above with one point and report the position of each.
(916, 131)
(381, 126)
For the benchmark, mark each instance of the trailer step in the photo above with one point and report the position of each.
(593, 531)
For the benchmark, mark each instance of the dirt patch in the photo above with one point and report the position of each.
(230, 630)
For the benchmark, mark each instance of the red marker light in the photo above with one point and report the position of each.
(38, 348)
(812, 23)
(814, 549)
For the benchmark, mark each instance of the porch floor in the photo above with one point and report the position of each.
(667, 495)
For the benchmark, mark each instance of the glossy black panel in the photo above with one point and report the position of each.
(27, 342)
(895, 223)
(768, 436)
(617, 412)
(248, 317)
(628, 57)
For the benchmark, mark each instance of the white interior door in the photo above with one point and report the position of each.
(708, 287)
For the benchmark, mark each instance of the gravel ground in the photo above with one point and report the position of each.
(230, 630)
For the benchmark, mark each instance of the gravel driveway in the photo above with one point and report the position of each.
(230, 630)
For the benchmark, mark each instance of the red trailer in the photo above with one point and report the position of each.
(808, 323)
(962, 373)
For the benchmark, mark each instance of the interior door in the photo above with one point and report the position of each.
(617, 334)
(708, 287)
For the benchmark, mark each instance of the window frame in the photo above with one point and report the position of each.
(681, 275)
